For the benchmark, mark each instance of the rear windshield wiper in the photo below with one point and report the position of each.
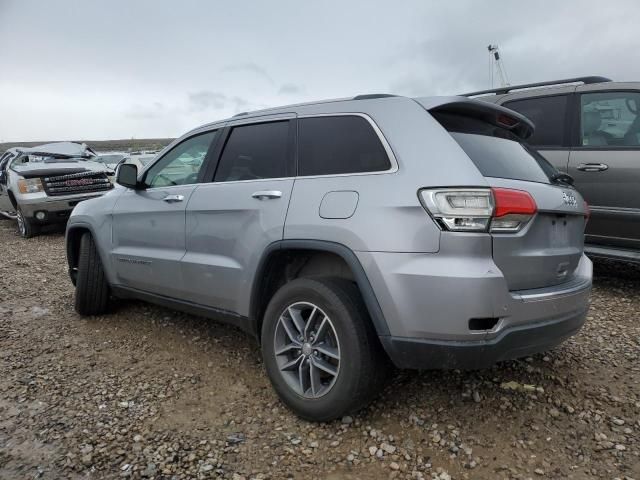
(560, 177)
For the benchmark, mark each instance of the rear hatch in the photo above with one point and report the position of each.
(546, 247)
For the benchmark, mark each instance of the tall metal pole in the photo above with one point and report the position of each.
(497, 65)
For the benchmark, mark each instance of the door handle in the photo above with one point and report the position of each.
(592, 167)
(173, 198)
(267, 194)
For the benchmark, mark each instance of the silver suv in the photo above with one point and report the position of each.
(344, 234)
(589, 128)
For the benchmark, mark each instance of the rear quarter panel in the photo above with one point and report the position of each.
(389, 217)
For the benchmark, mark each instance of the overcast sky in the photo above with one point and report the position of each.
(89, 69)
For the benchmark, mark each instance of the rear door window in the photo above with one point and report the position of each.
(549, 116)
(333, 145)
(257, 151)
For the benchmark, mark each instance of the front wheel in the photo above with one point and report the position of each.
(26, 226)
(320, 349)
(92, 289)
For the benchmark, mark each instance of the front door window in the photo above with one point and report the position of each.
(182, 164)
(610, 119)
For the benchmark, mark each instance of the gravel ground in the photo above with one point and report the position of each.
(150, 393)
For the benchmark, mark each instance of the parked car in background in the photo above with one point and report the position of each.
(140, 160)
(345, 234)
(589, 127)
(113, 159)
(110, 159)
(41, 185)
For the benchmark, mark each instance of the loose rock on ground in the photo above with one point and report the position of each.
(147, 392)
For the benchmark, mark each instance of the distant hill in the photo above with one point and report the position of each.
(123, 145)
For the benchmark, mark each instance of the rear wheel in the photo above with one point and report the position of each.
(26, 226)
(320, 350)
(92, 289)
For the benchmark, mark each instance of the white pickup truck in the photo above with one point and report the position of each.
(41, 185)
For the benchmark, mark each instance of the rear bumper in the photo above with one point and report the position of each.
(515, 342)
(456, 311)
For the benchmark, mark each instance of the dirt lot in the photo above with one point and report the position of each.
(148, 392)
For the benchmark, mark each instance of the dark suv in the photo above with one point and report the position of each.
(589, 127)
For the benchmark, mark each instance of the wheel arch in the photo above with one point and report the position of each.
(268, 278)
(73, 236)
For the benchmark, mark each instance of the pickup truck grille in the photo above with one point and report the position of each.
(83, 182)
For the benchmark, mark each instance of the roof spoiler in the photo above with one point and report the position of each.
(566, 81)
(496, 115)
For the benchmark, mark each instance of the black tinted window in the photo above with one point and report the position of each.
(333, 145)
(503, 158)
(548, 115)
(256, 151)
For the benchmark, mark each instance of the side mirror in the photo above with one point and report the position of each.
(127, 175)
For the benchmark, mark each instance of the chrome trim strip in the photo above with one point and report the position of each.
(574, 287)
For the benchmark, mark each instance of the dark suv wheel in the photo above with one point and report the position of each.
(92, 289)
(320, 350)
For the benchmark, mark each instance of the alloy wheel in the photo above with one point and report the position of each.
(307, 349)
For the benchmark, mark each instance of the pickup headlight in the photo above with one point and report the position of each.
(30, 185)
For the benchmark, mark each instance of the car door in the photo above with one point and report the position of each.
(605, 164)
(149, 223)
(549, 113)
(233, 218)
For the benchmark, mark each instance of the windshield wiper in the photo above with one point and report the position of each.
(560, 177)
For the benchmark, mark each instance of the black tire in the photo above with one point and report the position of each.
(92, 289)
(363, 364)
(27, 228)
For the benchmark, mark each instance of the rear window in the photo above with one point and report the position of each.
(334, 145)
(502, 158)
(495, 151)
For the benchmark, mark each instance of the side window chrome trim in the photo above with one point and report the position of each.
(385, 144)
(274, 117)
(227, 182)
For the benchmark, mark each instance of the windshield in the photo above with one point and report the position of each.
(25, 160)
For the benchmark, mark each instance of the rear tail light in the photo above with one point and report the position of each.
(460, 210)
(514, 209)
(499, 210)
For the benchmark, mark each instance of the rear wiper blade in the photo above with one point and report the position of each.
(562, 178)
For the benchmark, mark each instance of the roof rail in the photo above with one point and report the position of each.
(511, 88)
(371, 96)
(241, 114)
